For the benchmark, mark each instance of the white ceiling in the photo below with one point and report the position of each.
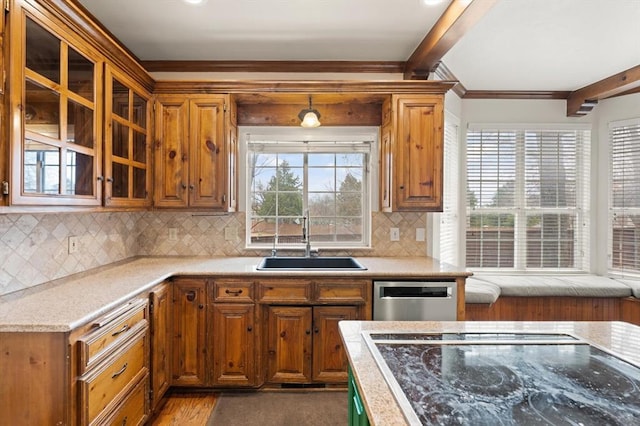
(517, 45)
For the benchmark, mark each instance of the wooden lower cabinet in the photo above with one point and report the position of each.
(329, 358)
(234, 351)
(304, 344)
(189, 333)
(160, 310)
(289, 344)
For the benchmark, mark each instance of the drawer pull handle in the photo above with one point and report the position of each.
(234, 292)
(122, 370)
(122, 330)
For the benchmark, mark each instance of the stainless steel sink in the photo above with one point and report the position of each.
(310, 263)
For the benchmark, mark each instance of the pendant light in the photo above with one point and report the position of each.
(309, 117)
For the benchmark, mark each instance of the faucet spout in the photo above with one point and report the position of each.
(306, 237)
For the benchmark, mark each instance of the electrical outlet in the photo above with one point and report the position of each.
(173, 234)
(421, 234)
(394, 234)
(73, 244)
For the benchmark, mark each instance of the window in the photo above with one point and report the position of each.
(527, 198)
(624, 203)
(288, 176)
(448, 242)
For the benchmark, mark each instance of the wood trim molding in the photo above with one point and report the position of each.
(621, 82)
(275, 66)
(296, 86)
(76, 17)
(515, 94)
(444, 73)
(456, 20)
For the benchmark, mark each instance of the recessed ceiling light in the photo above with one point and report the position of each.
(432, 2)
(194, 1)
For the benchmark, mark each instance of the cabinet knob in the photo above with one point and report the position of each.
(184, 186)
(201, 306)
(308, 331)
(316, 330)
(401, 186)
(191, 296)
(110, 179)
(191, 187)
(100, 178)
(249, 328)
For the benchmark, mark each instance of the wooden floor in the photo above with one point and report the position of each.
(186, 409)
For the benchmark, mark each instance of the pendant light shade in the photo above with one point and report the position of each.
(309, 117)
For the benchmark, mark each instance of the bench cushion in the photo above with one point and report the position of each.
(480, 291)
(633, 284)
(582, 285)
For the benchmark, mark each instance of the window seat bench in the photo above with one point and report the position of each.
(576, 297)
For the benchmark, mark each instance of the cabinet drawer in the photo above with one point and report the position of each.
(94, 346)
(233, 291)
(284, 291)
(103, 387)
(133, 410)
(343, 291)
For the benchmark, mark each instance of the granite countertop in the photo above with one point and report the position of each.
(622, 339)
(67, 303)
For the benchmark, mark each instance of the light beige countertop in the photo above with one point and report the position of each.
(382, 408)
(70, 302)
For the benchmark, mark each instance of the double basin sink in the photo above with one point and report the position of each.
(310, 263)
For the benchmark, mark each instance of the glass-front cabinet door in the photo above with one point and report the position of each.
(56, 119)
(127, 142)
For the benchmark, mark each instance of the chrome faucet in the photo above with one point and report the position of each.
(305, 233)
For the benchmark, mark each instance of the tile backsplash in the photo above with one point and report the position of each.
(34, 247)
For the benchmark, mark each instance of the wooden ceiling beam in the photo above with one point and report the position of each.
(581, 101)
(454, 23)
(275, 66)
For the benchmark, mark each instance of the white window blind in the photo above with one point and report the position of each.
(624, 203)
(449, 219)
(526, 198)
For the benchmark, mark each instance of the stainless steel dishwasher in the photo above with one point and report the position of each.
(415, 300)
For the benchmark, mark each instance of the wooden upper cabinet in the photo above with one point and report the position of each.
(195, 152)
(127, 142)
(411, 170)
(55, 114)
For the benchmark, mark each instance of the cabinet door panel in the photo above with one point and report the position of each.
(160, 338)
(418, 153)
(329, 358)
(127, 141)
(189, 360)
(171, 152)
(289, 344)
(208, 153)
(234, 344)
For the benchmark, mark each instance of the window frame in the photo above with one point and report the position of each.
(290, 137)
(521, 211)
(623, 210)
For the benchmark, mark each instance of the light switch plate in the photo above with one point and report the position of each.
(230, 233)
(173, 234)
(421, 234)
(394, 234)
(73, 245)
